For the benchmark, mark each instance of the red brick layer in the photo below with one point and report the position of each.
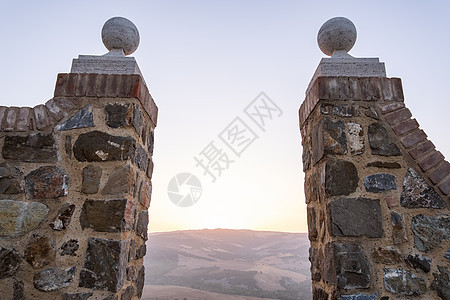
(68, 92)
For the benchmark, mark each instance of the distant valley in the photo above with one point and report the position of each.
(195, 264)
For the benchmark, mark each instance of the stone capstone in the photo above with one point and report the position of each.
(118, 115)
(355, 138)
(381, 182)
(128, 293)
(142, 225)
(140, 282)
(40, 251)
(100, 146)
(359, 297)
(417, 193)
(341, 178)
(356, 217)
(82, 119)
(91, 179)
(18, 290)
(46, 182)
(37, 148)
(77, 296)
(9, 180)
(441, 283)
(430, 232)
(403, 282)
(94, 211)
(419, 263)
(398, 228)
(69, 248)
(386, 255)
(62, 220)
(10, 262)
(328, 137)
(53, 279)
(380, 142)
(104, 266)
(118, 182)
(18, 217)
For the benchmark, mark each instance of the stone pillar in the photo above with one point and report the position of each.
(377, 190)
(75, 186)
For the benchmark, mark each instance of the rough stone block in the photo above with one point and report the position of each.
(37, 148)
(430, 232)
(441, 283)
(9, 180)
(141, 251)
(42, 117)
(100, 146)
(341, 178)
(118, 115)
(319, 294)
(356, 217)
(355, 138)
(398, 228)
(140, 282)
(384, 164)
(386, 255)
(77, 296)
(119, 182)
(138, 120)
(371, 113)
(341, 110)
(381, 182)
(82, 119)
(351, 266)
(145, 193)
(104, 266)
(128, 293)
(53, 279)
(316, 259)
(40, 251)
(62, 219)
(380, 142)
(46, 182)
(18, 217)
(417, 193)
(403, 282)
(91, 179)
(94, 211)
(10, 262)
(141, 158)
(419, 263)
(328, 137)
(18, 290)
(142, 225)
(359, 297)
(312, 224)
(69, 248)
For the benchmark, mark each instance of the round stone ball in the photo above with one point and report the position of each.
(336, 34)
(120, 33)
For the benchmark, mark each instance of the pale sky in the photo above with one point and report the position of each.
(204, 61)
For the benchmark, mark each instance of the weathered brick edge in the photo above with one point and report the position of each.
(68, 92)
(388, 93)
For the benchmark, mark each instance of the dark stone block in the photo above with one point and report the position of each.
(150, 142)
(138, 119)
(82, 119)
(145, 193)
(9, 180)
(104, 265)
(386, 255)
(10, 262)
(141, 251)
(53, 279)
(447, 254)
(128, 293)
(46, 182)
(140, 282)
(118, 182)
(69, 248)
(398, 228)
(62, 220)
(356, 217)
(429, 232)
(20, 217)
(40, 251)
(312, 227)
(37, 148)
(359, 297)
(132, 250)
(18, 290)
(341, 178)
(417, 193)
(381, 182)
(403, 282)
(319, 294)
(68, 146)
(384, 164)
(352, 267)
(328, 137)
(142, 225)
(131, 273)
(380, 142)
(419, 263)
(317, 260)
(94, 211)
(141, 158)
(441, 283)
(100, 146)
(306, 158)
(371, 113)
(341, 110)
(91, 179)
(118, 115)
(77, 296)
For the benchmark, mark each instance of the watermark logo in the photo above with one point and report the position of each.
(184, 189)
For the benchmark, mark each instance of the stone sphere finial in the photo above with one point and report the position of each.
(336, 34)
(120, 34)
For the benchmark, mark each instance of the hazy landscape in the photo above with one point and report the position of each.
(222, 264)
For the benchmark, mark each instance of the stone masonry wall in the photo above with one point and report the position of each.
(377, 193)
(75, 186)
